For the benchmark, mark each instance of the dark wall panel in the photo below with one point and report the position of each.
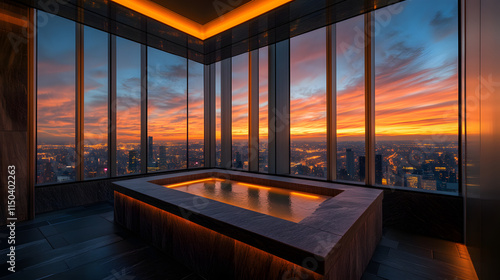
(482, 43)
(427, 214)
(63, 196)
(13, 107)
(490, 139)
(66, 195)
(471, 75)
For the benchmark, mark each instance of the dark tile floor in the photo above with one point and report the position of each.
(84, 243)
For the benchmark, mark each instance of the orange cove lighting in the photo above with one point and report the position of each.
(193, 182)
(253, 186)
(305, 195)
(229, 20)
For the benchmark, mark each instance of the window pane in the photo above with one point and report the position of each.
(217, 114)
(96, 103)
(56, 90)
(350, 99)
(128, 104)
(195, 115)
(308, 104)
(263, 109)
(417, 96)
(167, 110)
(240, 111)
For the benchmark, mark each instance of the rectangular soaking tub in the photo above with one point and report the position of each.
(238, 225)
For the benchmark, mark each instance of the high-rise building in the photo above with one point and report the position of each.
(426, 133)
(238, 163)
(150, 151)
(413, 181)
(378, 169)
(162, 159)
(362, 168)
(349, 155)
(132, 161)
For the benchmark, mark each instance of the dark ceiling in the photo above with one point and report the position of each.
(201, 11)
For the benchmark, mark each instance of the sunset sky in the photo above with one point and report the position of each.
(56, 82)
(96, 86)
(240, 97)
(263, 93)
(167, 96)
(416, 59)
(128, 91)
(308, 86)
(195, 101)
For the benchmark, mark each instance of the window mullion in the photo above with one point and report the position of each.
(369, 99)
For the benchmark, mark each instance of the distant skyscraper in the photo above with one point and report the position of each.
(429, 184)
(362, 170)
(132, 161)
(162, 163)
(150, 151)
(48, 173)
(349, 154)
(378, 169)
(413, 181)
(238, 163)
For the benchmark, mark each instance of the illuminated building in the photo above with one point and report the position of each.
(292, 88)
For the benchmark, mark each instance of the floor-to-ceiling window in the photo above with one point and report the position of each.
(308, 104)
(350, 90)
(56, 94)
(167, 110)
(416, 99)
(96, 99)
(263, 109)
(240, 111)
(416, 102)
(218, 114)
(128, 107)
(195, 115)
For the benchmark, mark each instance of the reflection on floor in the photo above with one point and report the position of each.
(83, 243)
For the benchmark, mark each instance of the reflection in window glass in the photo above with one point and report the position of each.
(217, 114)
(240, 111)
(128, 106)
(308, 104)
(263, 109)
(195, 114)
(167, 110)
(350, 100)
(96, 103)
(56, 87)
(416, 97)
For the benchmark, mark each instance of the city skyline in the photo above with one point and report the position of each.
(398, 163)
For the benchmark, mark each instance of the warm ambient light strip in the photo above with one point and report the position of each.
(237, 16)
(253, 186)
(305, 195)
(241, 14)
(193, 182)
